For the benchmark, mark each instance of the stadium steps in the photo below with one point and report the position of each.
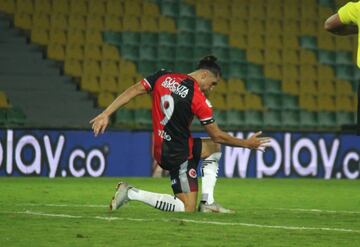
(35, 85)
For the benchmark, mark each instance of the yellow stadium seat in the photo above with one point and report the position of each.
(240, 41)
(61, 6)
(343, 87)
(291, 27)
(42, 6)
(77, 21)
(326, 87)
(308, 27)
(326, 103)
(92, 52)
(308, 87)
(113, 23)
(307, 57)
(256, 40)
(325, 12)
(273, 41)
(56, 51)
(290, 86)
(218, 100)
(90, 83)
(344, 43)
(95, 22)
(150, 9)
(234, 101)
(257, 10)
(79, 7)
(326, 42)
(256, 26)
(23, 20)
(108, 83)
(290, 41)
(73, 67)
(91, 67)
(221, 25)
(57, 36)
(255, 55)
(127, 68)
(239, 9)
(291, 13)
(40, 36)
(273, 26)
(274, 10)
(74, 51)
(4, 102)
(145, 102)
(131, 23)
(290, 56)
(75, 37)
(221, 11)
(166, 25)
(105, 99)
(325, 72)
(308, 72)
(253, 102)
(114, 8)
(24, 6)
(235, 86)
(41, 20)
(308, 102)
(97, 7)
(203, 10)
(58, 21)
(93, 37)
(309, 13)
(133, 8)
(8, 6)
(148, 24)
(110, 53)
(290, 72)
(273, 71)
(238, 26)
(344, 103)
(109, 67)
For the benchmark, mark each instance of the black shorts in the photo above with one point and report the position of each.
(184, 177)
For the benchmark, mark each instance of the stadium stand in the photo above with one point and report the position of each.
(285, 72)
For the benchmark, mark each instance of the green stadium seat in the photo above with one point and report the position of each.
(166, 39)
(185, 24)
(237, 70)
(254, 71)
(235, 118)
(220, 117)
(326, 57)
(185, 39)
(345, 118)
(112, 38)
(148, 53)
(186, 10)
(124, 116)
(272, 119)
(130, 38)
(184, 54)
(150, 39)
(343, 58)
(272, 101)
(3, 118)
(237, 55)
(308, 42)
(290, 118)
(254, 118)
(143, 117)
(202, 40)
(168, 65)
(308, 119)
(326, 119)
(169, 8)
(345, 72)
(289, 102)
(184, 67)
(202, 26)
(221, 53)
(272, 86)
(146, 67)
(220, 40)
(130, 52)
(200, 52)
(255, 85)
(166, 53)
(16, 116)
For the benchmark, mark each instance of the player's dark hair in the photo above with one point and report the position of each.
(209, 63)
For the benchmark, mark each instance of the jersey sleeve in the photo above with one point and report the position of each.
(149, 81)
(202, 109)
(349, 13)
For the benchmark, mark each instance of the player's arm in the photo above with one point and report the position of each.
(334, 25)
(100, 122)
(221, 137)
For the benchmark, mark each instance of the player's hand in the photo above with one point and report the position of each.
(99, 123)
(257, 142)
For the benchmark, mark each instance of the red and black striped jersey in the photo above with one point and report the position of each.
(176, 98)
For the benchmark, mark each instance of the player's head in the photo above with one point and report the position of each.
(207, 73)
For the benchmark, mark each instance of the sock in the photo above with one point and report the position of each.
(210, 168)
(163, 202)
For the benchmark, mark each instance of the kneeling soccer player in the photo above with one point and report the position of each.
(176, 98)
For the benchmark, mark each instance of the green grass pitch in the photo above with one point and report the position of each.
(269, 212)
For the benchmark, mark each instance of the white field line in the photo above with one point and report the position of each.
(207, 222)
(309, 210)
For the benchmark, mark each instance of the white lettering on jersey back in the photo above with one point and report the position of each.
(175, 87)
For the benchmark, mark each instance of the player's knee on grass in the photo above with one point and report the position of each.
(189, 200)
